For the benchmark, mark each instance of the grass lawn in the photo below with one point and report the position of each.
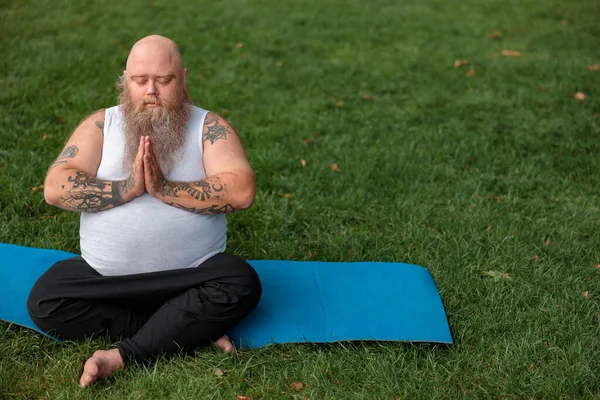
(487, 174)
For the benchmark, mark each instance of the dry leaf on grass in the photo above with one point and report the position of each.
(595, 67)
(586, 294)
(239, 45)
(340, 104)
(547, 243)
(297, 386)
(511, 53)
(460, 63)
(303, 162)
(334, 168)
(279, 63)
(37, 188)
(489, 229)
(597, 266)
(367, 97)
(470, 72)
(46, 137)
(240, 397)
(536, 258)
(218, 372)
(580, 96)
(564, 22)
(495, 35)
(288, 195)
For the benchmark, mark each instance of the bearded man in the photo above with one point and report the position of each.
(153, 179)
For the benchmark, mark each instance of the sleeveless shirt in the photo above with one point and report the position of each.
(146, 234)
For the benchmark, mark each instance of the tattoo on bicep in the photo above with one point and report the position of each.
(100, 126)
(212, 210)
(216, 132)
(91, 194)
(69, 152)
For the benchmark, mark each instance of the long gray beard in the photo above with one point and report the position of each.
(166, 125)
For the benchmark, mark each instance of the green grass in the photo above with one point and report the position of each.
(460, 174)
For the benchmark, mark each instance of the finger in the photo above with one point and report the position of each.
(147, 165)
(140, 153)
(148, 148)
(147, 172)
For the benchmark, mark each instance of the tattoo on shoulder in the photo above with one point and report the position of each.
(214, 130)
(100, 125)
(69, 152)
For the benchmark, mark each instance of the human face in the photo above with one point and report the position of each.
(153, 80)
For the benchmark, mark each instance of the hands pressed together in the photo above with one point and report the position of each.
(146, 175)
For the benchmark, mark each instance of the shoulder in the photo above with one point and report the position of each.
(95, 119)
(216, 128)
(99, 117)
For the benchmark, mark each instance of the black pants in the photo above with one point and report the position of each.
(153, 314)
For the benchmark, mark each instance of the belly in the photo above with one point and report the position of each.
(147, 235)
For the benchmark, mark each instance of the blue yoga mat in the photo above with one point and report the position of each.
(303, 301)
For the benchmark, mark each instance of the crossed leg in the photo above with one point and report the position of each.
(151, 314)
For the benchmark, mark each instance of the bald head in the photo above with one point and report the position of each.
(153, 50)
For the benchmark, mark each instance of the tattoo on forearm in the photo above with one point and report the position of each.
(69, 152)
(91, 195)
(200, 190)
(212, 210)
(215, 132)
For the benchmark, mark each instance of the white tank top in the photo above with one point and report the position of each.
(145, 234)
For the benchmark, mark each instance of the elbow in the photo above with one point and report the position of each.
(247, 195)
(51, 194)
(248, 199)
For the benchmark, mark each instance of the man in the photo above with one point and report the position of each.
(152, 178)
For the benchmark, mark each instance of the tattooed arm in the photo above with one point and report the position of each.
(71, 181)
(229, 186)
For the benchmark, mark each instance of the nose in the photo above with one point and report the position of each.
(151, 89)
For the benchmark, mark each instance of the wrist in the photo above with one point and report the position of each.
(162, 189)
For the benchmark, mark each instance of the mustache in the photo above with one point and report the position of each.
(152, 100)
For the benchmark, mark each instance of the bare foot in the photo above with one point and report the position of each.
(225, 344)
(100, 366)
